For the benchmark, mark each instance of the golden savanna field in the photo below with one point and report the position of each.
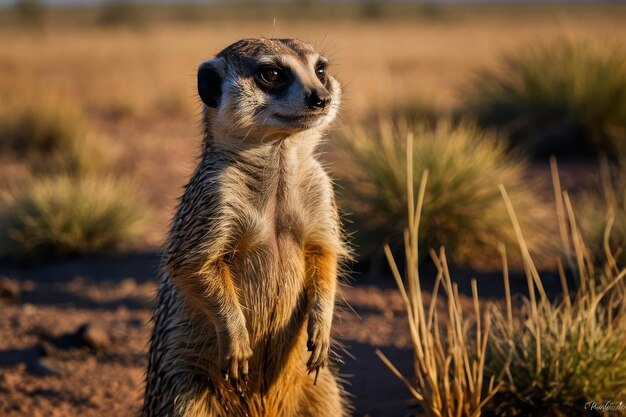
(100, 128)
(135, 84)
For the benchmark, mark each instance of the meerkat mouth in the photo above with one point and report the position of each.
(300, 119)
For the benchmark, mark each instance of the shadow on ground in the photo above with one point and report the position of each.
(375, 391)
(140, 266)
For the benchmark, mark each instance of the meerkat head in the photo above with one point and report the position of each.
(261, 89)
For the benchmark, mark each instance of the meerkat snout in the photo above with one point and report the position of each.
(268, 88)
(318, 99)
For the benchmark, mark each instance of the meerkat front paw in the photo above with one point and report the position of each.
(234, 354)
(319, 346)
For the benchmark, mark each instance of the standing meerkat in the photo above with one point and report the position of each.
(244, 310)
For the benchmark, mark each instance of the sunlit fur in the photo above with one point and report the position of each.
(250, 266)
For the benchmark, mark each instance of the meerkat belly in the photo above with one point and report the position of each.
(270, 278)
(271, 286)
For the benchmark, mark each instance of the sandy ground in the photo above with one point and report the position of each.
(47, 369)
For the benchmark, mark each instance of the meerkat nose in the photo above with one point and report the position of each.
(317, 99)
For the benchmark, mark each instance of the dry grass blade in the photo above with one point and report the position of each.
(449, 365)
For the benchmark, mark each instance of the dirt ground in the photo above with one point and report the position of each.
(50, 367)
(47, 369)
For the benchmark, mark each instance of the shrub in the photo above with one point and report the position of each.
(40, 128)
(61, 216)
(463, 209)
(562, 97)
(562, 355)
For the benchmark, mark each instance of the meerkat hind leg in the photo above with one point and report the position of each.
(323, 399)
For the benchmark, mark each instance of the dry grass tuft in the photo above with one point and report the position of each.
(549, 358)
(52, 138)
(62, 216)
(69, 202)
(560, 355)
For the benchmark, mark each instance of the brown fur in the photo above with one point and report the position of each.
(250, 266)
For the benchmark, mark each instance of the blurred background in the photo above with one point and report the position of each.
(100, 129)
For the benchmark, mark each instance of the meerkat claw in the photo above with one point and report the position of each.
(240, 390)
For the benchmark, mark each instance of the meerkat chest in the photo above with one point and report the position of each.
(287, 214)
(268, 263)
(271, 216)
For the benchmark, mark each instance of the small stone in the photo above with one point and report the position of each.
(9, 289)
(29, 309)
(94, 337)
(128, 285)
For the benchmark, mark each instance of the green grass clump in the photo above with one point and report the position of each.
(463, 209)
(565, 97)
(58, 217)
(69, 203)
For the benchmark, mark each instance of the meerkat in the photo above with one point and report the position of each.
(249, 273)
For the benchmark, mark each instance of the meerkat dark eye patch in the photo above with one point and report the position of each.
(209, 84)
(272, 78)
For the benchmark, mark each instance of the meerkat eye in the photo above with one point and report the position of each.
(272, 75)
(320, 71)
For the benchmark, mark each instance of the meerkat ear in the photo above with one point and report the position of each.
(210, 75)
